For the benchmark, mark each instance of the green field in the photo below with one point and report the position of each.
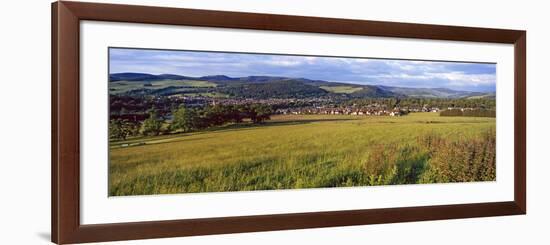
(307, 151)
(341, 89)
(208, 94)
(183, 85)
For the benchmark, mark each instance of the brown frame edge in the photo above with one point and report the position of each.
(65, 175)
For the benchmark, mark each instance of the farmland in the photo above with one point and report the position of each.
(119, 87)
(306, 151)
(341, 89)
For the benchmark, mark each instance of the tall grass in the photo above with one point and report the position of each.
(309, 152)
(463, 160)
(434, 159)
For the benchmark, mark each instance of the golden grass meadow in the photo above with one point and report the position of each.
(307, 151)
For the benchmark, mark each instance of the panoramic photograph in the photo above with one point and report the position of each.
(203, 121)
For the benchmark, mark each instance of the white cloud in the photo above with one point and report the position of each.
(357, 70)
(282, 62)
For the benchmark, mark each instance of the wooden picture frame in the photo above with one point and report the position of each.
(65, 174)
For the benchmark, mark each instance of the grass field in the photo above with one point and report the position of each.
(125, 86)
(307, 151)
(209, 94)
(341, 89)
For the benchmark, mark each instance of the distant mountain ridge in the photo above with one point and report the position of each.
(286, 87)
(132, 76)
(432, 92)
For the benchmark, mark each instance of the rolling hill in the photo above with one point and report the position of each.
(268, 87)
(432, 92)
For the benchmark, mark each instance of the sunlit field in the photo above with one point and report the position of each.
(307, 151)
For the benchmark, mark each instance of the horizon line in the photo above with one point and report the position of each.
(346, 82)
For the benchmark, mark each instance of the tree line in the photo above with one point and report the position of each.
(481, 103)
(187, 119)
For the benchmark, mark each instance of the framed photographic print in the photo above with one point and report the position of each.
(176, 122)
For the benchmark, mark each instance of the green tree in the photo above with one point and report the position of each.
(184, 119)
(151, 125)
(260, 113)
(117, 130)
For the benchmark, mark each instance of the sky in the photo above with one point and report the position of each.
(478, 77)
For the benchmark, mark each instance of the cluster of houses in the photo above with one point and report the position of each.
(320, 106)
(368, 111)
(461, 109)
(271, 101)
(342, 111)
(422, 109)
